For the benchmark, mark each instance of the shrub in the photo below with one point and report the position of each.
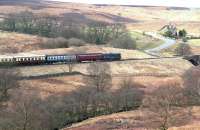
(76, 42)
(182, 33)
(192, 85)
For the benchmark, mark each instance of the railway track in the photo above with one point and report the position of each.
(130, 59)
(65, 72)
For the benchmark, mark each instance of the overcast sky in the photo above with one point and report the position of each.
(177, 3)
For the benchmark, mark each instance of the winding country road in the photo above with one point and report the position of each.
(168, 42)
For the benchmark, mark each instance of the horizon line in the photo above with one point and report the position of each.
(125, 4)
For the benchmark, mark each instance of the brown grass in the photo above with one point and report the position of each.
(15, 42)
(132, 120)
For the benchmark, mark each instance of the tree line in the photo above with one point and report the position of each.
(50, 26)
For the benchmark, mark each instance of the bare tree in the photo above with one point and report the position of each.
(164, 105)
(100, 77)
(192, 85)
(118, 30)
(28, 113)
(8, 80)
(128, 95)
(98, 32)
(70, 66)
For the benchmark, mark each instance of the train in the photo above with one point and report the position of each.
(53, 59)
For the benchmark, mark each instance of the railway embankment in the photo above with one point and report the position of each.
(152, 67)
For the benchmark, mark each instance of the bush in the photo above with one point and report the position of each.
(192, 85)
(124, 42)
(76, 42)
(183, 49)
(182, 33)
(55, 43)
(184, 39)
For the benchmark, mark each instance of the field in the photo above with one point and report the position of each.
(144, 42)
(194, 42)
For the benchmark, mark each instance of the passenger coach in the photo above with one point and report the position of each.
(60, 58)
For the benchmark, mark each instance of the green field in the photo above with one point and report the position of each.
(194, 42)
(145, 42)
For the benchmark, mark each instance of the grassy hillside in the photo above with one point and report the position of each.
(142, 18)
(11, 42)
(129, 120)
(144, 42)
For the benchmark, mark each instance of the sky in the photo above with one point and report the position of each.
(176, 3)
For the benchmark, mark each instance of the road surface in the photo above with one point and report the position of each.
(168, 42)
